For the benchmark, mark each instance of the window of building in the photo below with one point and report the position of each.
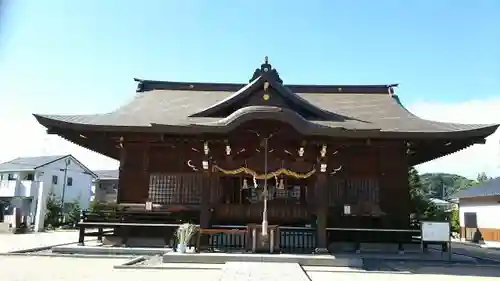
(70, 181)
(54, 179)
(12, 177)
(29, 177)
(175, 188)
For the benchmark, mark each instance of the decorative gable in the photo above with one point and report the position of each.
(265, 89)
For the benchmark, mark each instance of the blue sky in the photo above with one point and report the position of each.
(64, 56)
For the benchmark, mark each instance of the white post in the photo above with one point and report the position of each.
(41, 206)
(265, 192)
(16, 217)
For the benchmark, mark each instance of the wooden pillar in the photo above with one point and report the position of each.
(145, 171)
(121, 171)
(321, 212)
(205, 213)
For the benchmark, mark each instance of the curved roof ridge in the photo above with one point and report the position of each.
(252, 86)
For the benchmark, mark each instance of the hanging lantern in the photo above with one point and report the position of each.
(228, 150)
(245, 184)
(205, 148)
(323, 150)
(204, 164)
(281, 185)
(301, 151)
(323, 168)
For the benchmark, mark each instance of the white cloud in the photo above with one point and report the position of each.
(21, 135)
(473, 160)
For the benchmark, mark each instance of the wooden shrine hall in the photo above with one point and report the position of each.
(321, 156)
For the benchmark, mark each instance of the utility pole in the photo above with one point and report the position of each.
(443, 190)
(67, 162)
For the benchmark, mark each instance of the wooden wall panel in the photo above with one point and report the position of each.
(488, 234)
(394, 190)
(133, 183)
(358, 161)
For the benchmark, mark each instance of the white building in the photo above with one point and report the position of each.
(20, 179)
(479, 208)
(105, 186)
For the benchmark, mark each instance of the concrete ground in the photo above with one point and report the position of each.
(473, 250)
(88, 269)
(15, 242)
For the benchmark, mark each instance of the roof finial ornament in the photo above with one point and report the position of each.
(266, 68)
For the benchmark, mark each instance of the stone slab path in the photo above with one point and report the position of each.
(258, 271)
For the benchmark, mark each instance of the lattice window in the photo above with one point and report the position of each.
(191, 189)
(361, 194)
(352, 191)
(175, 189)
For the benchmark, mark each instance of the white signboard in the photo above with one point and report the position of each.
(434, 231)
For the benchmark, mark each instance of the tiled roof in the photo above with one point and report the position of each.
(173, 107)
(107, 174)
(489, 188)
(28, 163)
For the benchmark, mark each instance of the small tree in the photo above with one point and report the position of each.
(96, 206)
(53, 212)
(455, 220)
(482, 177)
(73, 214)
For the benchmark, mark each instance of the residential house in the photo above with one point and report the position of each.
(445, 205)
(479, 208)
(20, 180)
(105, 186)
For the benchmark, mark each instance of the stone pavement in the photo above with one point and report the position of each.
(28, 268)
(473, 250)
(15, 242)
(260, 271)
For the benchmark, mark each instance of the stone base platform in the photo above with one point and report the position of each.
(106, 250)
(303, 260)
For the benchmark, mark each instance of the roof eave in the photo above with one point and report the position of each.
(478, 133)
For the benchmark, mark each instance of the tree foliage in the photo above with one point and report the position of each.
(443, 185)
(53, 211)
(482, 177)
(72, 215)
(422, 208)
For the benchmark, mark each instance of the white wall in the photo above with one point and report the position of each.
(79, 191)
(488, 212)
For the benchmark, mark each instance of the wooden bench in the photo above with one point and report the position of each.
(213, 231)
(123, 221)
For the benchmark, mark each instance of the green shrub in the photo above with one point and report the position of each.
(455, 221)
(53, 211)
